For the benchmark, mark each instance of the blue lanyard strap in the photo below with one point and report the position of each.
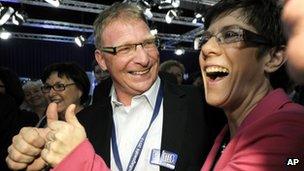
(137, 151)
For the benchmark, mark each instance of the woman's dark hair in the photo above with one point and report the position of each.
(12, 84)
(265, 17)
(71, 71)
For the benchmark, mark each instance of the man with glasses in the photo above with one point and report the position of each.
(146, 123)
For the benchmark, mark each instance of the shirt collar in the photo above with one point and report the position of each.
(150, 94)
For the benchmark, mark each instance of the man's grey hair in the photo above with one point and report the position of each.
(121, 10)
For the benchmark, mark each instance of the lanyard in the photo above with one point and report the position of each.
(137, 151)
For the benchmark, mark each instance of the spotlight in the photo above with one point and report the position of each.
(148, 13)
(198, 17)
(179, 51)
(18, 18)
(170, 16)
(146, 7)
(146, 4)
(5, 34)
(5, 14)
(175, 3)
(55, 3)
(79, 40)
(194, 21)
(165, 4)
(165, 1)
(154, 32)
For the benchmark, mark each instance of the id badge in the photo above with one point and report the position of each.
(168, 159)
(155, 157)
(165, 158)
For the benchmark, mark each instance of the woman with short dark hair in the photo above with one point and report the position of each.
(65, 84)
(242, 60)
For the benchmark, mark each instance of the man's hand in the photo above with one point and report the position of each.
(25, 149)
(63, 137)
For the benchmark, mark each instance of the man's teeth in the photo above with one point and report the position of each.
(213, 69)
(140, 72)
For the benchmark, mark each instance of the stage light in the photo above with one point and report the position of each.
(5, 34)
(55, 3)
(18, 18)
(166, 4)
(179, 51)
(194, 21)
(146, 8)
(165, 1)
(79, 40)
(171, 14)
(175, 3)
(198, 15)
(148, 13)
(5, 14)
(198, 18)
(154, 32)
(146, 3)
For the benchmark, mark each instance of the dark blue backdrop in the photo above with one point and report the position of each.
(29, 57)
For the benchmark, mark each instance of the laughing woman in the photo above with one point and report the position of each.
(242, 50)
(65, 84)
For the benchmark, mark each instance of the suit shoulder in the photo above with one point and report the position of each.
(95, 111)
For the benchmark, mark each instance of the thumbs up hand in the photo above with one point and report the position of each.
(25, 149)
(63, 137)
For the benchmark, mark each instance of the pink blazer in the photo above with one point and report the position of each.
(270, 135)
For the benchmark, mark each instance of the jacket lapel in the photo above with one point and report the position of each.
(174, 120)
(107, 133)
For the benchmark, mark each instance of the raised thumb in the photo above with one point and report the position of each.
(70, 116)
(51, 113)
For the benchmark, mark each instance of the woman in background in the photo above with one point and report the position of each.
(35, 100)
(11, 86)
(65, 84)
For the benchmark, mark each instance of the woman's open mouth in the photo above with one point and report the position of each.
(216, 73)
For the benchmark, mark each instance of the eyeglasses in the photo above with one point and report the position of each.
(230, 34)
(2, 86)
(56, 87)
(128, 49)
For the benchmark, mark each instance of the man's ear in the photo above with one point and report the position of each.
(275, 59)
(99, 57)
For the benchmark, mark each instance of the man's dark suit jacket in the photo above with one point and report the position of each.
(184, 126)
